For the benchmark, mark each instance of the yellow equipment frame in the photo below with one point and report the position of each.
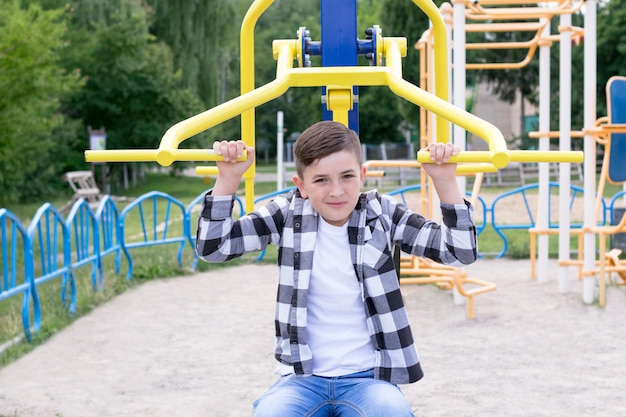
(339, 82)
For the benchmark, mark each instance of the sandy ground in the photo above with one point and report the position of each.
(202, 346)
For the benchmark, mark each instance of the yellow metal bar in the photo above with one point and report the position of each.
(339, 77)
(375, 173)
(529, 44)
(502, 159)
(461, 169)
(202, 171)
(164, 157)
(547, 156)
(501, 65)
(554, 134)
(339, 101)
(167, 152)
(425, 131)
(246, 61)
(441, 62)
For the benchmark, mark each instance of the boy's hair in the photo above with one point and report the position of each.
(323, 139)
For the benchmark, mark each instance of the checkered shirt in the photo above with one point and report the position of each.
(374, 227)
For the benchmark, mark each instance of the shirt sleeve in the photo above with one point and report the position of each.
(220, 237)
(453, 242)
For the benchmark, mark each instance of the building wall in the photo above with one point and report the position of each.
(503, 115)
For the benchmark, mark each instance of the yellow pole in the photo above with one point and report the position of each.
(246, 61)
(339, 101)
(441, 62)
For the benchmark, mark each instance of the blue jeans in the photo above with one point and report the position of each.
(354, 395)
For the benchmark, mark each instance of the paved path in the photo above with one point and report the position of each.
(202, 346)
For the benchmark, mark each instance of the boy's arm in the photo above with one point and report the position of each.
(457, 233)
(218, 204)
(230, 171)
(442, 173)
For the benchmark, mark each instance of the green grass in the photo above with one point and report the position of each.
(490, 244)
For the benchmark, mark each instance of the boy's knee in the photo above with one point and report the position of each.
(387, 401)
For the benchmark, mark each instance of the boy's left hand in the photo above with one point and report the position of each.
(440, 154)
(443, 173)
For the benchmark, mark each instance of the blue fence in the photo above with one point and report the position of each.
(53, 247)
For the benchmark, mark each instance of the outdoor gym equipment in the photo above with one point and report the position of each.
(339, 83)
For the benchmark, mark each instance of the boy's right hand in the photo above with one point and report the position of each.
(231, 151)
(230, 171)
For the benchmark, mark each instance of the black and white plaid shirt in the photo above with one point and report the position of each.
(377, 223)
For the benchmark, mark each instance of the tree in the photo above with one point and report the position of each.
(33, 84)
(131, 87)
(131, 90)
(201, 34)
(611, 46)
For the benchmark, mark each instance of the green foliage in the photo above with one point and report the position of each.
(132, 90)
(33, 83)
(379, 117)
(202, 36)
(611, 44)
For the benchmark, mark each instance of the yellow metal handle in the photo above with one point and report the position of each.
(501, 159)
(165, 157)
(204, 171)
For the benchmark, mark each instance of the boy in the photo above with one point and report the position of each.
(343, 337)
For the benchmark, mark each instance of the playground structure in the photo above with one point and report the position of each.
(339, 78)
(611, 133)
(493, 16)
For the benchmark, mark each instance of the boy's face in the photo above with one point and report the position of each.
(332, 184)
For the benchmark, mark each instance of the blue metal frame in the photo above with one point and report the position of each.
(530, 223)
(339, 46)
(50, 244)
(611, 206)
(85, 241)
(617, 100)
(47, 244)
(107, 216)
(11, 232)
(151, 234)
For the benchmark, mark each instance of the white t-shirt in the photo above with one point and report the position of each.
(337, 331)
